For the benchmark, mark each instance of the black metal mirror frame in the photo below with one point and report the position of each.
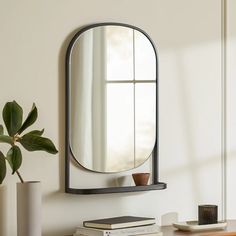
(156, 185)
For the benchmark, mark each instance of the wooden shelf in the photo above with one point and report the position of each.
(158, 186)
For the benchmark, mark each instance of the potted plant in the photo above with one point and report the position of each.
(28, 193)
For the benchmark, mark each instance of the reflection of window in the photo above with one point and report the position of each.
(113, 82)
(131, 93)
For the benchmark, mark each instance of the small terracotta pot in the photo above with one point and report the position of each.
(141, 179)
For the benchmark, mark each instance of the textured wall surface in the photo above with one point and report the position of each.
(34, 37)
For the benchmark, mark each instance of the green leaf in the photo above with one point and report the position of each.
(32, 142)
(6, 139)
(3, 169)
(1, 130)
(14, 158)
(12, 115)
(31, 118)
(37, 132)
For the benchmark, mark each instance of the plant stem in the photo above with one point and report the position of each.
(21, 179)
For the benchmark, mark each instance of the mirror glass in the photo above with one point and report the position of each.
(112, 78)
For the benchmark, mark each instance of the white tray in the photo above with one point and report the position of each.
(194, 226)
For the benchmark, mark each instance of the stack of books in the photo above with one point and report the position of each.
(120, 226)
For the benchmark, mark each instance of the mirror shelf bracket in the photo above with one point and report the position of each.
(156, 185)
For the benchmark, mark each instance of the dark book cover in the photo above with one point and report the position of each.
(119, 222)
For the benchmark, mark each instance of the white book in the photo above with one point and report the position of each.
(154, 234)
(140, 230)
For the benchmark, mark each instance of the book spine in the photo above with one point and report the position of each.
(88, 232)
(134, 231)
(154, 234)
(118, 232)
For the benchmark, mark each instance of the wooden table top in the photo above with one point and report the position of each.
(230, 230)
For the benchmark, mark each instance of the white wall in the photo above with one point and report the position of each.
(34, 37)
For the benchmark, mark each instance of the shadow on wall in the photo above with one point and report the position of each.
(74, 216)
(3, 211)
(193, 164)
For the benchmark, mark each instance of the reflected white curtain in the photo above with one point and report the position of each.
(88, 100)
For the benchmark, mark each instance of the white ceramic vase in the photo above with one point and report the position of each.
(29, 205)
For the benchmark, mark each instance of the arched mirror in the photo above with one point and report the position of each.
(112, 75)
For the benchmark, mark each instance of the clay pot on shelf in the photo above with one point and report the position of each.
(141, 179)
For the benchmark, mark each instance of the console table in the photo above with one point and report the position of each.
(229, 231)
